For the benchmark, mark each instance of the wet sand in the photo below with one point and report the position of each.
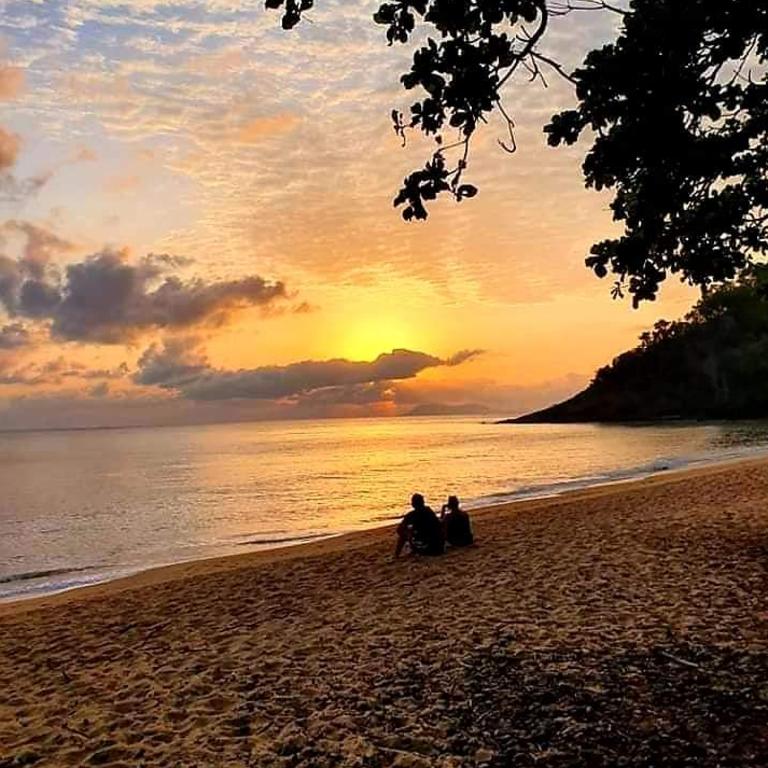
(621, 626)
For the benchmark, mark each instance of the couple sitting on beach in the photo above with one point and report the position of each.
(426, 534)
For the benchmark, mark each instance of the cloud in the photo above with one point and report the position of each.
(263, 127)
(463, 356)
(163, 87)
(168, 260)
(57, 371)
(178, 366)
(11, 82)
(421, 397)
(186, 77)
(10, 277)
(122, 183)
(367, 394)
(176, 363)
(14, 336)
(500, 398)
(23, 287)
(96, 408)
(38, 299)
(99, 390)
(304, 308)
(218, 63)
(13, 189)
(106, 299)
(84, 155)
(40, 245)
(96, 405)
(10, 145)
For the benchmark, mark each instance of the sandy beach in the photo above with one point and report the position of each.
(621, 626)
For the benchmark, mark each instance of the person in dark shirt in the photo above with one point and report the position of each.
(421, 529)
(456, 524)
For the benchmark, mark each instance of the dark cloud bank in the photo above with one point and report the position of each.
(105, 299)
(179, 366)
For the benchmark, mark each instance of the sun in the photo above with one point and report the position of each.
(366, 339)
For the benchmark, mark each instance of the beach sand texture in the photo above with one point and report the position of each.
(620, 626)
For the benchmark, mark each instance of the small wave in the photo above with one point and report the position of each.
(20, 586)
(54, 580)
(626, 474)
(286, 539)
(29, 575)
(235, 536)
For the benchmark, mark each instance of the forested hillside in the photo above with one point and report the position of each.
(711, 364)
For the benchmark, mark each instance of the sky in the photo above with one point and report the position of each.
(197, 225)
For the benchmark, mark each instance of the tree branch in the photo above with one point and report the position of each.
(555, 65)
(564, 7)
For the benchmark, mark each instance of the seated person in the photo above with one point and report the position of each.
(458, 529)
(421, 529)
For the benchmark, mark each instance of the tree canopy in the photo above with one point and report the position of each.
(676, 108)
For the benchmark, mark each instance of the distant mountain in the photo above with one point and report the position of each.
(713, 364)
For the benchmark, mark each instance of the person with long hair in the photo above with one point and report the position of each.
(456, 524)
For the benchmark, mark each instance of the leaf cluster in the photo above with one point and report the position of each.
(678, 109)
(292, 10)
(472, 48)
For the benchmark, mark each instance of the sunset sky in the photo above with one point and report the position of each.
(198, 225)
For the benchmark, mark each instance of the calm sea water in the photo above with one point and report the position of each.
(84, 506)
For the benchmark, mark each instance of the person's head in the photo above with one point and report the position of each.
(453, 503)
(417, 501)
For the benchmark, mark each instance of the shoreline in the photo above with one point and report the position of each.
(619, 625)
(343, 541)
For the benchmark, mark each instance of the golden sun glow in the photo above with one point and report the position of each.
(366, 339)
(249, 177)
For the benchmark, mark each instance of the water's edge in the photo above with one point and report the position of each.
(37, 584)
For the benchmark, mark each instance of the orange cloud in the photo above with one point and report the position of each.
(84, 155)
(218, 63)
(10, 144)
(11, 82)
(122, 184)
(264, 127)
(99, 88)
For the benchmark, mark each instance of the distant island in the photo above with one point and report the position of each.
(713, 364)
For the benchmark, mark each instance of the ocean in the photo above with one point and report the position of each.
(80, 507)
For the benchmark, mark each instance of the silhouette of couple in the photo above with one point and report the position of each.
(427, 534)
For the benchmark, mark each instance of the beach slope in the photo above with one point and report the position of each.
(625, 626)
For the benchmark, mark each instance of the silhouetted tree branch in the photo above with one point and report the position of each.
(675, 107)
(558, 8)
(682, 141)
